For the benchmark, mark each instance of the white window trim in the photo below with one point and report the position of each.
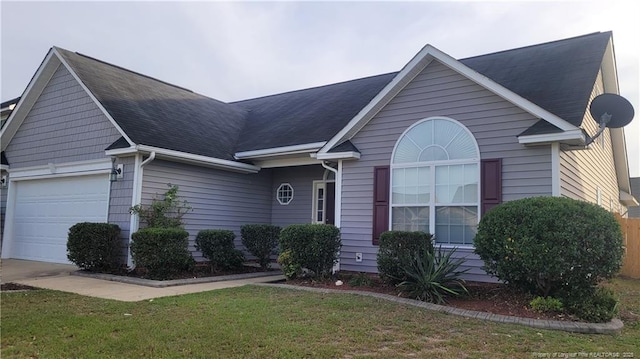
(317, 184)
(278, 194)
(432, 165)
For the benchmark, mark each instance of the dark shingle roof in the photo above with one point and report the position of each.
(306, 116)
(635, 187)
(345, 146)
(558, 76)
(10, 102)
(3, 159)
(155, 113)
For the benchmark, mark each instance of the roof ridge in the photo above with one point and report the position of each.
(134, 72)
(312, 88)
(535, 45)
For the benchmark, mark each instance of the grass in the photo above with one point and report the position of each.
(262, 322)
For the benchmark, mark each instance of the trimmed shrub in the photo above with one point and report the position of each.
(432, 275)
(550, 246)
(397, 251)
(600, 307)
(163, 252)
(312, 246)
(260, 240)
(547, 305)
(94, 246)
(217, 246)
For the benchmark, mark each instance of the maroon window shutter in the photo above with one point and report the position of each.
(491, 183)
(380, 201)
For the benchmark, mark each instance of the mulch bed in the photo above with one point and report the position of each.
(484, 297)
(8, 287)
(200, 271)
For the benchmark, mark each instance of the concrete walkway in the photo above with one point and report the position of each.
(58, 277)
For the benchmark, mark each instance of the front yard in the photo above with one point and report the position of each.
(262, 322)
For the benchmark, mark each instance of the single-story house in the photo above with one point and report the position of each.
(430, 148)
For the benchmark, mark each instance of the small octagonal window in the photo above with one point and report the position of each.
(284, 194)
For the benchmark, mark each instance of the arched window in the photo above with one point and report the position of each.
(435, 177)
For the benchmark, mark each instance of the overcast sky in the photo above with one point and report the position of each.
(238, 50)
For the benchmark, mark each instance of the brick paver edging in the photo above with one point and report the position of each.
(612, 327)
(174, 282)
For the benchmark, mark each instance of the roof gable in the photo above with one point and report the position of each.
(491, 65)
(557, 76)
(158, 114)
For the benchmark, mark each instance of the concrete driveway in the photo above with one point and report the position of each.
(57, 277)
(12, 270)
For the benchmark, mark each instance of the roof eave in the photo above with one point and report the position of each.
(347, 155)
(627, 199)
(279, 151)
(184, 157)
(35, 87)
(573, 137)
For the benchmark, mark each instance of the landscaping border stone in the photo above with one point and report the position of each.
(612, 327)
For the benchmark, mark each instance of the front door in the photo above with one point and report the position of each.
(324, 202)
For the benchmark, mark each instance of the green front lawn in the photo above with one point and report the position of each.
(261, 322)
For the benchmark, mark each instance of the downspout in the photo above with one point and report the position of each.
(136, 199)
(152, 156)
(337, 199)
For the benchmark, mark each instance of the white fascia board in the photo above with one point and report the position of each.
(627, 199)
(572, 137)
(609, 70)
(347, 155)
(501, 90)
(121, 151)
(620, 159)
(280, 151)
(419, 62)
(287, 162)
(4, 167)
(408, 72)
(60, 169)
(199, 159)
(90, 94)
(40, 79)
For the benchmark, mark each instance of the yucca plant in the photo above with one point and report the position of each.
(432, 275)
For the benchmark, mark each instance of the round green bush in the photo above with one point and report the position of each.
(217, 246)
(311, 246)
(261, 240)
(94, 246)
(163, 252)
(550, 245)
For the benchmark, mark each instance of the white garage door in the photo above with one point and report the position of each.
(45, 209)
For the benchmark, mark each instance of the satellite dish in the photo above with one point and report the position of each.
(610, 110)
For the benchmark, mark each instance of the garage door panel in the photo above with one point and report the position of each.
(46, 209)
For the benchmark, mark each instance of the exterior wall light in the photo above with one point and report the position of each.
(116, 173)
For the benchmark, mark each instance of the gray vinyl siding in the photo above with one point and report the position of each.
(299, 210)
(64, 125)
(438, 91)
(220, 199)
(120, 201)
(582, 172)
(3, 204)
